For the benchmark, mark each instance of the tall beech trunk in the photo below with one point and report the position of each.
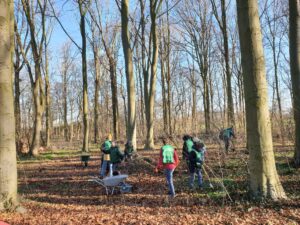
(264, 180)
(149, 102)
(294, 8)
(8, 162)
(85, 147)
(131, 128)
(36, 82)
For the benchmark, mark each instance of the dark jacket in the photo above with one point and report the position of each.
(115, 155)
(128, 149)
(195, 161)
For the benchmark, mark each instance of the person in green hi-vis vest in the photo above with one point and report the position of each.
(196, 159)
(105, 148)
(187, 147)
(168, 160)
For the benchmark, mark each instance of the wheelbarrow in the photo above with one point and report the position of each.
(111, 183)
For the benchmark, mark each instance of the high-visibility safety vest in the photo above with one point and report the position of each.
(189, 144)
(199, 158)
(107, 144)
(168, 154)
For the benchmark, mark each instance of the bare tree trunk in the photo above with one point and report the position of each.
(206, 102)
(8, 163)
(168, 52)
(114, 94)
(65, 102)
(230, 110)
(163, 88)
(264, 180)
(85, 147)
(47, 91)
(97, 89)
(48, 103)
(17, 99)
(223, 26)
(152, 88)
(129, 74)
(71, 133)
(142, 105)
(37, 82)
(294, 8)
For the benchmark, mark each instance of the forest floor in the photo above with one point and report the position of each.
(54, 189)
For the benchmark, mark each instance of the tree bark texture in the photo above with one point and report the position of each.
(37, 81)
(129, 74)
(294, 8)
(8, 163)
(152, 85)
(264, 180)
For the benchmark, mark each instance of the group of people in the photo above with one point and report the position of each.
(193, 152)
(112, 156)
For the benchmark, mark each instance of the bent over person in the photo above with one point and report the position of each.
(168, 160)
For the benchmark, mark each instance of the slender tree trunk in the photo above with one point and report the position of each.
(152, 89)
(278, 100)
(71, 133)
(168, 72)
(47, 91)
(294, 8)
(65, 103)
(48, 103)
(85, 147)
(8, 163)
(114, 94)
(17, 107)
(206, 104)
(142, 105)
(38, 99)
(230, 109)
(264, 180)
(163, 88)
(129, 74)
(37, 82)
(96, 98)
